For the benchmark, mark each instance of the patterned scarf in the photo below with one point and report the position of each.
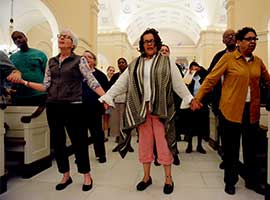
(161, 103)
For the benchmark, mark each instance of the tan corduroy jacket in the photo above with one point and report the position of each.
(238, 75)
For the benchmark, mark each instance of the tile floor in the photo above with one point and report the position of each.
(197, 178)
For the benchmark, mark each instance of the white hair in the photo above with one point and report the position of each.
(74, 37)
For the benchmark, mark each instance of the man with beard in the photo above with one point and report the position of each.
(31, 63)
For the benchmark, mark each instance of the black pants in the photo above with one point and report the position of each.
(94, 124)
(231, 142)
(68, 117)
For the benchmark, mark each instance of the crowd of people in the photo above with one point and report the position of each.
(151, 95)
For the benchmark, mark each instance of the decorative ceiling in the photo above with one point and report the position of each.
(178, 21)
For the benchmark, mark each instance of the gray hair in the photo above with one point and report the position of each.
(74, 37)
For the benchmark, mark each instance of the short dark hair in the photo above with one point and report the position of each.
(193, 63)
(17, 32)
(157, 39)
(242, 32)
(122, 59)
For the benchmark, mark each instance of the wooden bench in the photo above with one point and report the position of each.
(3, 178)
(27, 140)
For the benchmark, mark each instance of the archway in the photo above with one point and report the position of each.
(27, 14)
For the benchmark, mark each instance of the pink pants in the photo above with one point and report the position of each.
(149, 132)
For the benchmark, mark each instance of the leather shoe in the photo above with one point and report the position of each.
(189, 149)
(176, 160)
(86, 188)
(260, 189)
(143, 185)
(200, 149)
(230, 189)
(222, 165)
(102, 160)
(168, 188)
(62, 186)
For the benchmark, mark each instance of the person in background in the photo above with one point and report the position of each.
(117, 114)
(107, 114)
(31, 63)
(94, 108)
(228, 38)
(239, 107)
(198, 121)
(149, 81)
(165, 50)
(63, 82)
(7, 71)
(110, 72)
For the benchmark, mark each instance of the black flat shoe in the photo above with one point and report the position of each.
(168, 188)
(86, 188)
(62, 186)
(102, 160)
(189, 149)
(230, 189)
(156, 163)
(143, 185)
(222, 165)
(200, 149)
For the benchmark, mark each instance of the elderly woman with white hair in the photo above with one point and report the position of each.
(63, 82)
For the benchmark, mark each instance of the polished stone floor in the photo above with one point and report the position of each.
(197, 178)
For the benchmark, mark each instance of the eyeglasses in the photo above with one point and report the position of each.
(64, 36)
(149, 42)
(249, 39)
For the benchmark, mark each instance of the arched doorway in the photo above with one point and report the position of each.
(30, 17)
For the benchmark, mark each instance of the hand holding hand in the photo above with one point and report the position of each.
(15, 76)
(106, 106)
(195, 104)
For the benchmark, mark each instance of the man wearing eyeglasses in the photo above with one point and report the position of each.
(239, 107)
(31, 63)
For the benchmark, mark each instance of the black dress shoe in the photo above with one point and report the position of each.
(230, 189)
(168, 188)
(102, 160)
(86, 188)
(260, 189)
(200, 149)
(143, 185)
(62, 186)
(222, 165)
(189, 149)
(176, 160)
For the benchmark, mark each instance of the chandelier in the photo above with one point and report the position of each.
(9, 48)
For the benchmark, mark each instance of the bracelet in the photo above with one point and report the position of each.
(26, 83)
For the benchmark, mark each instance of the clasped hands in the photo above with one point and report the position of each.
(195, 104)
(15, 76)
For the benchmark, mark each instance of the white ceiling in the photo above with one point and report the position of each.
(178, 21)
